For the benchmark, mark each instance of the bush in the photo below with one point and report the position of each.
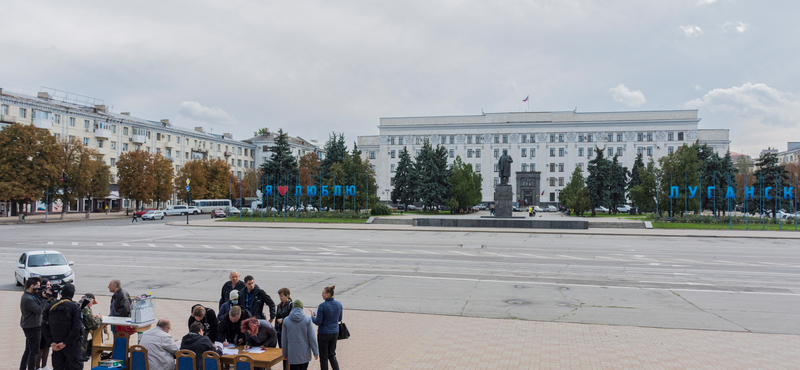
(381, 209)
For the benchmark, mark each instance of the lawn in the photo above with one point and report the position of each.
(291, 219)
(618, 215)
(755, 225)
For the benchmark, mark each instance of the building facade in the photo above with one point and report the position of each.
(545, 146)
(299, 146)
(791, 154)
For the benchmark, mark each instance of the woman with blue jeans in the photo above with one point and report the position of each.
(327, 318)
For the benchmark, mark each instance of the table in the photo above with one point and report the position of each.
(270, 357)
(97, 335)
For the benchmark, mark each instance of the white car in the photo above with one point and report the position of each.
(233, 211)
(601, 209)
(538, 209)
(552, 209)
(181, 210)
(48, 264)
(153, 215)
(624, 209)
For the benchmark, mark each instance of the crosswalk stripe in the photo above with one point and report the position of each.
(99, 244)
(576, 258)
(207, 246)
(49, 243)
(74, 243)
(497, 254)
(391, 251)
(179, 246)
(326, 249)
(125, 244)
(235, 247)
(152, 245)
(358, 250)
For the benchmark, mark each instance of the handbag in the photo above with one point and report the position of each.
(343, 332)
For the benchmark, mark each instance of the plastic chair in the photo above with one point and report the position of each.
(243, 362)
(120, 351)
(139, 358)
(185, 360)
(210, 360)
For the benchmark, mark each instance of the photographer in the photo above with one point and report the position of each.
(63, 328)
(49, 294)
(31, 306)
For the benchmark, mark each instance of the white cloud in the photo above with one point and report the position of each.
(757, 115)
(697, 87)
(691, 31)
(706, 2)
(202, 113)
(623, 94)
(740, 27)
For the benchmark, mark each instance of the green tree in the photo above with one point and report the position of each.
(29, 163)
(638, 165)
(404, 191)
(599, 179)
(433, 175)
(283, 167)
(309, 176)
(78, 171)
(680, 169)
(618, 184)
(768, 173)
(163, 172)
(465, 188)
(359, 172)
(335, 152)
(575, 195)
(643, 195)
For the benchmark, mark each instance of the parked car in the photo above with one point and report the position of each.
(175, 210)
(411, 207)
(218, 213)
(552, 209)
(601, 209)
(516, 209)
(538, 209)
(624, 209)
(49, 264)
(233, 210)
(482, 206)
(153, 215)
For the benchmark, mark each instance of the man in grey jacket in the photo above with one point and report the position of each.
(160, 346)
(31, 306)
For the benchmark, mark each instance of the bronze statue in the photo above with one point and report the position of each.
(504, 167)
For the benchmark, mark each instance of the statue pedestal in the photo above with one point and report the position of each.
(503, 196)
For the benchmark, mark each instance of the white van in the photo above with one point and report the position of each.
(181, 210)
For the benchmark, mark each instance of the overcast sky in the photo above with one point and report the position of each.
(312, 67)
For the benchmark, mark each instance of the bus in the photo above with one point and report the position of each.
(208, 205)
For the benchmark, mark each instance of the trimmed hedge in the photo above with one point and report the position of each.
(381, 209)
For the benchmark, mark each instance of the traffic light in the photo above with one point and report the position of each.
(63, 176)
(188, 197)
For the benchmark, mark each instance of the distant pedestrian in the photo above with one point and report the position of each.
(106, 208)
(530, 211)
(298, 341)
(327, 317)
(134, 218)
(31, 306)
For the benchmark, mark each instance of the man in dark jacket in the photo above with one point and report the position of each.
(31, 306)
(63, 328)
(233, 284)
(252, 298)
(198, 343)
(230, 327)
(120, 301)
(206, 317)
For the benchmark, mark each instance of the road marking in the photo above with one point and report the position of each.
(207, 246)
(418, 250)
(49, 243)
(125, 244)
(534, 256)
(358, 250)
(295, 248)
(391, 251)
(326, 249)
(152, 245)
(466, 254)
(266, 248)
(678, 259)
(179, 246)
(613, 259)
(235, 247)
(74, 243)
(496, 254)
(99, 244)
(576, 258)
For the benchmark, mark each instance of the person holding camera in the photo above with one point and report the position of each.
(63, 327)
(49, 294)
(31, 306)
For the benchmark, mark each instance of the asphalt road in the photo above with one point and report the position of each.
(692, 283)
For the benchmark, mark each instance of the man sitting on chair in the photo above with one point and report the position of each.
(198, 343)
(160, 346)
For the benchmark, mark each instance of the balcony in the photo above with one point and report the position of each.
(10, 119)
(102, 133)
(228, 154)
(42, 123)
(169, 144)
(139, 139)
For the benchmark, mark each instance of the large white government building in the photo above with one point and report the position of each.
(73, 116)
(545, 146)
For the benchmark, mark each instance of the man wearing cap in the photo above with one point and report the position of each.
(62, 328)
(226, 307)
(90, 322)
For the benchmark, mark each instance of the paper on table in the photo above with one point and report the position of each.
(229, 351)
(219, 344)
(255, 350)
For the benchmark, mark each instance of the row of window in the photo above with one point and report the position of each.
(525, 138)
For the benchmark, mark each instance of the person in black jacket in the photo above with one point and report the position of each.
(233, 284)
(121, 301)
(230, 327)
(63, 328)
(252, 298)
(198, 343)
(206, 317)
(31, 305)
(283, 310)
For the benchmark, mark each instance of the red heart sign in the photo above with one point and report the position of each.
(283, 189)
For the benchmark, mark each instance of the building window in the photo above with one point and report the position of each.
(444, 140)
(505, 139)
(610, 137)
(58, 136)
(452, 139)
(124, 129)
(113, 161)
(497, 139)
(650, 151)
(72, 121)
(495, 167)
(392, 168)
(496, 181)
(532, 167)
(610, 152)
(671, 136)
(477, 167)
(3, 109)
(99, 143)
(619, 151)
(533, 152)
(649, 136)
(372, 155)
(552, 152)
(86, 141)
(589, 137)
(589, 152)
(469, 139)
(393, 154)
(560, 138)
(640, 150)
(552, 138)
(86, 124)
(478, 139)
(469, 153)
(524, 152)
(124, 147)
(391, 181)
(239, 163)
(23, 113)
(246, 164)
(452, 153)
(640, 136)
(619, 136)
(670, 149)
(523, 139)
(560, 167)
(580, 152)
(560, 181)
(57, 119)
(391, 140)
(580, 138)
(497, 153)
(400, 140)
(417, 153)
(680, 136)
(532, 138)
(580, 165)
(524, 167)
(552, 181)
(147, 149)
(560, 152)
(240, 151)
(477, 153)
(552, 167)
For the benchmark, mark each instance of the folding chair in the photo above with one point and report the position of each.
(210, 361)
(243, 362)
(139, 358)
(120, 351)
(185, 360)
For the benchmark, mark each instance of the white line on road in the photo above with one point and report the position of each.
(326, 249)
(49, 243)
(358, 250)
(179, 246)
(613, 259)
(496, 254)
(265, 248)
(295, 248)
(125, 244)
(534, 256)
(152, 245)
(207, 246)
(466, 254)
(235, 247)
(419, 250)
(576, 258)
(99, 244)
(74, 243)
(391, 251)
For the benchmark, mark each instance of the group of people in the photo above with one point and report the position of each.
(61, 325)
(64, 326)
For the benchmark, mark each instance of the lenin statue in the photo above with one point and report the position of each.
(504, 167)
